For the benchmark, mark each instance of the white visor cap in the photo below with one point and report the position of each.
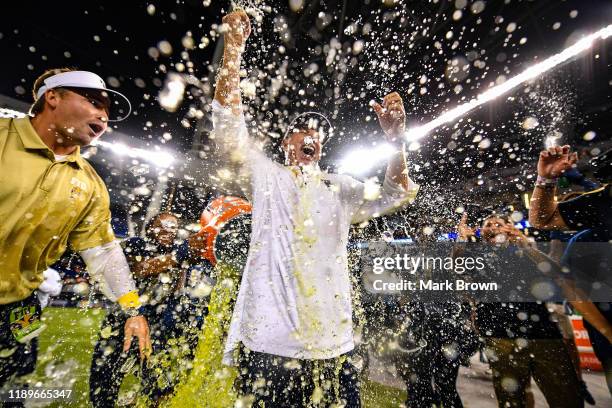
(120, 106)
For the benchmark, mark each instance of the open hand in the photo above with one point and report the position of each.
(555, 160)
(137, 326)
(464, 231)
(392, 116)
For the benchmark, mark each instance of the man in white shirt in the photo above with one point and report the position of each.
(293, 317)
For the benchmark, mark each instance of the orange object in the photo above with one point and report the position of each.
(588, 359)
(216, 214)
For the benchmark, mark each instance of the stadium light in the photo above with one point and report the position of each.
(416, 133)
(157, 157)
(496, 91)
(361, 160)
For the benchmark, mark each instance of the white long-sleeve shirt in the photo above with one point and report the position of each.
(295, 296)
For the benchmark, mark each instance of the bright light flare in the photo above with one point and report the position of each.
(496, 91)
(159, 158)
(361, 160)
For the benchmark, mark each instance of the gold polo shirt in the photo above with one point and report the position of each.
(45, 205)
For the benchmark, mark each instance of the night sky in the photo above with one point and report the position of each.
(335, 56)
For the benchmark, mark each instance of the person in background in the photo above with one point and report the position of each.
(522, 341)
(438, 339)
(438, 347)
(561, 311)
(160, 263)
(586, 258)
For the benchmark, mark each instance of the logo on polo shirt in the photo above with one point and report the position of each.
(78, 188)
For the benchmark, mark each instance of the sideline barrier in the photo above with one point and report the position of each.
(588, 359)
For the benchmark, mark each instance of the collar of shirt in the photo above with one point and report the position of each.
(31, 141)
(305, 174)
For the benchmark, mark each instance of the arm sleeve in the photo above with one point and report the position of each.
(108, 267)
(229, 167)
(373, 201)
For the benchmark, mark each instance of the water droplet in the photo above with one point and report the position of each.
(530, 123)
(517, 216)
(165, 47)
(590, 135)
(484, 144)
(296, 5)
(477, 7)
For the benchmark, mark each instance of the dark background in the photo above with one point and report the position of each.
(405, 47)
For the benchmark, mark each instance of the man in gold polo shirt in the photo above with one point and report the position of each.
(51, 198)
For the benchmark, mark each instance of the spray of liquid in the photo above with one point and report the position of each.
(254, 8)
(496, 91)
(416, 133)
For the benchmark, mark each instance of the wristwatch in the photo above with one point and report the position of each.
(132, 311)
(546, 182)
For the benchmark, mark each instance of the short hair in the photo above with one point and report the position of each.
(39, 103)
(502, 216)
(311, 120)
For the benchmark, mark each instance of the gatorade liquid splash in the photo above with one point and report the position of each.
(226, 230)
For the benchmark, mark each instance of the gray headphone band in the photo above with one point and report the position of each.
(305, 114)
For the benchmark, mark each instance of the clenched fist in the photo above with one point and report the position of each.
(238, 28)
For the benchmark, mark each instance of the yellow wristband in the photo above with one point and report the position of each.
(129, 300)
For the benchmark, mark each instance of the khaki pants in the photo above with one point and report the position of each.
(514, 363)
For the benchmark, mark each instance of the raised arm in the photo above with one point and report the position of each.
(543, 211)
(397, 188)
(224, 168)
(227, 87)
(392, 118)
